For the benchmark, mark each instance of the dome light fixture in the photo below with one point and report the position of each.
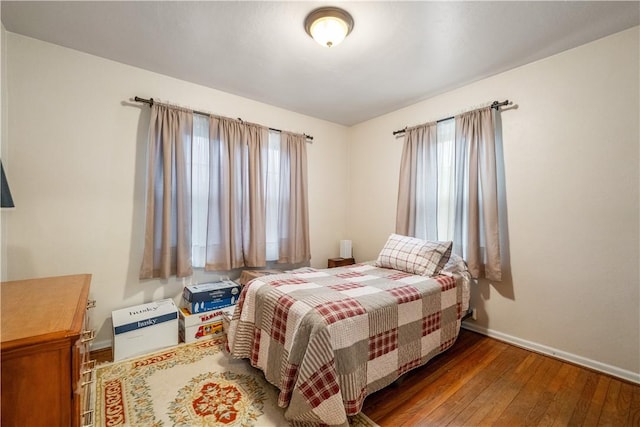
(328, 25)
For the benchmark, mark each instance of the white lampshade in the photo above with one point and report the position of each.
(345, 249)
(328, 25)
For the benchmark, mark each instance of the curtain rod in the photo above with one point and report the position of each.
(495, 105)
(150, 101)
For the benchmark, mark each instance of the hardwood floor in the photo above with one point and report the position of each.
(481, 381)
(484, 382)
(102, 355)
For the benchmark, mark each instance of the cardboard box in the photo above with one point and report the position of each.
(204, 306)
(194, 327)
(144, 328)
(212, 291)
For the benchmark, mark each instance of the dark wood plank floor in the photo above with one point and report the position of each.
(481, 381)
(103, 355)
(484, 382)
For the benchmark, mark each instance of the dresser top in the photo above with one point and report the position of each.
(37, 310)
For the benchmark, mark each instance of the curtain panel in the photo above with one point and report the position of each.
(477, 231)
(167, 238)
(236, 222)
(293, 210)
(417, 192)
(236, 231)
(473, 217)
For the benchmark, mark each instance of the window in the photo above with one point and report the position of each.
(272, 198)
(200, 190)
(449, 191)
(435, 169)
(446, 135)
(211, 184)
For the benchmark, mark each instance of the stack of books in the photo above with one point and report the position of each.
(203, 307)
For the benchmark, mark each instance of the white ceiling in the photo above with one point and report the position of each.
(398, 53)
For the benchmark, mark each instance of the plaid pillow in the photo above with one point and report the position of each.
(446, 255)
(414, 256)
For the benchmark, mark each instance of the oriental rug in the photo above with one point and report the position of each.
(195, 384)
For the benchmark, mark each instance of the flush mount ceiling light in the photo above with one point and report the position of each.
(328, 25)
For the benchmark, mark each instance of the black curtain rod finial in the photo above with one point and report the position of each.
(144, 101)
(496, 105)
(396, 132)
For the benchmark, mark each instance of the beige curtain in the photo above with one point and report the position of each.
(418, 152)
(236, 220)
(476, 232)
(293, 212)
(167, 240)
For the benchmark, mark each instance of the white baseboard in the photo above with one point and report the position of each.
(624, 374)
(633, 377)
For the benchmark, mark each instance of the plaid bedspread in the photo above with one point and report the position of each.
(328, 338)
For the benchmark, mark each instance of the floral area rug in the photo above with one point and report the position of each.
(189, 385)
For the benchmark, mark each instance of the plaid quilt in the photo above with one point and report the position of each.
(328, 338)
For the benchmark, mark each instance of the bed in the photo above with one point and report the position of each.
(327, 338)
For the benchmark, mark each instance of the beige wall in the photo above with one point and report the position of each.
(4, 149)
(77, 157)
(572, 192)
(76, 154)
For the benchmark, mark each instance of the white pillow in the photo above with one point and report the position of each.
(455, 265)
(414, 256)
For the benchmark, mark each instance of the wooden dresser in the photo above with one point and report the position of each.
(46, 372)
